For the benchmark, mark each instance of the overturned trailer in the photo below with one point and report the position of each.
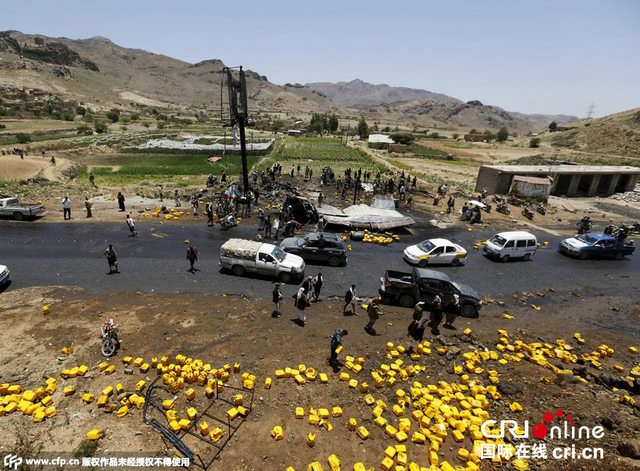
(362, 216)
(300, 209)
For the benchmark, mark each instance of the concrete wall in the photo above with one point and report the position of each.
(530, 190)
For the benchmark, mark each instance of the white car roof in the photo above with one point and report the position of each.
(512, 234)
(441, 242)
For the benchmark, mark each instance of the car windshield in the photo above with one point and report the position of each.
(587, 239)
(456, 286)
(301, 241)
(426, 246)
(498, 240)
(278, 254)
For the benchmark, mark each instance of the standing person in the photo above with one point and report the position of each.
(66, 208)
(336, 341)
(256, 195)
(436, 199)
(318, 281)
(276, 298)
(176, 195)
(373, 310)
(267, 226)
(131, 225)
(260, 220)
(53, 160)
(418, 311)
(87, 204)
(209, 210)
(112, 259)
(307, 285)
(92, 179)
(301, 305)
(121, 202)
(452, 312)
(414, 182)
(409, 201)
(320, 199)
(276, 228)
(415, 332)
(403, 191)
(451, 204)
(293, 169)
(161, 192)
(223, 178)
(436, 314)
(195, 202)
(192, 256)
(350, 299)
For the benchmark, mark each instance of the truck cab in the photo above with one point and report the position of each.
(592, 245)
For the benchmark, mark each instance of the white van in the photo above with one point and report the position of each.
(508, 245)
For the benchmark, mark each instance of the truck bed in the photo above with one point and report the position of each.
(399, 276)
(240, 248)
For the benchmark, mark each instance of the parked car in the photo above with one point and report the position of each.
(513, 244)
(434, 252)
(318, 247)
(13, 208)
(4, 275)
(242, 256)
(408, 288)
(593, 245)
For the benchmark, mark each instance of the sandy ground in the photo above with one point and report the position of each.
(224, 330)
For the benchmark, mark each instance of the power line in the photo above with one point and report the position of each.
(590, 110)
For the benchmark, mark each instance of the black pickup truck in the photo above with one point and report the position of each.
(406, 289)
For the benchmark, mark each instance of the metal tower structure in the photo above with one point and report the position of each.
(590, 110)
(238, 115)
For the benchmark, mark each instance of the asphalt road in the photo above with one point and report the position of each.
(71, 254)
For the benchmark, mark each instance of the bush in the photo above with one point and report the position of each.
(68, 116)
(363, 129)
(113, 116)
(455, 136)
(81, 110)
(434, 135)
(135, 116)
(23, 138)
(503, 134)
(83, 129)
(534, 142)
(101, 127)
(2, 126)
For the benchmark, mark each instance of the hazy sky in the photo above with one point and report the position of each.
(533, 57)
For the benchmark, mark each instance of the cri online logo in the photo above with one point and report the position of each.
(540, 430)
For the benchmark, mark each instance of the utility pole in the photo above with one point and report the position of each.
(238, 114)
(590, 110)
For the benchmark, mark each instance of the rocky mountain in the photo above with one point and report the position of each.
(358, 92)
(100, 71)
(544, 120)
(451, 114)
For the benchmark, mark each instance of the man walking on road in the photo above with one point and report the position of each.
(318, 281)
(176, 194)
(161, 191)
(209, 210)
(350, 299)
(66, 208)
(112, 259)
(276, 298)
(192, 256)
(373, 310)
(87, 204)
(336, 341)
(131, 225)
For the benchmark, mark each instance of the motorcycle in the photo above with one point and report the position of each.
(497, 199)
(228, 221)
(584, 226)
(503, 208)
(515, 201)
(526, 212)
(487, 206)
(109, 336)
(631, 228)
(541, 209)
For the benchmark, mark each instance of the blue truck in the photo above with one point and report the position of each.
(593, 245)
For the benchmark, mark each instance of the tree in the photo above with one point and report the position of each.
(363, 129)
(434, 135)
(23, 137)
(67, 116)
(101, 127)
(503, 134)
(489, 136)
(402, 138)
(534, 142)
(375, 126)
(473, 131)
(81, 110)
(333, 123)
(135, 116)
(113, 116)
(277, 125)
(553, 126)
(318, 123)
(455, 136)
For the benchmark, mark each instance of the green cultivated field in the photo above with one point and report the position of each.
(183, 168)
(318, 152)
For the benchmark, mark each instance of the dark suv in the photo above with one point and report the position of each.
(318, 247)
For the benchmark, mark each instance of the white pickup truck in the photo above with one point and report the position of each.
(242, 256)
(13, 208)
